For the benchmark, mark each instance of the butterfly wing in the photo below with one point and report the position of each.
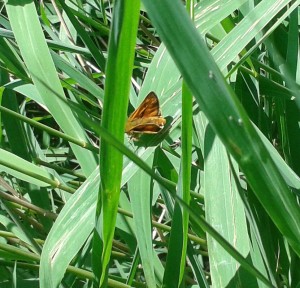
(148, 108)
(150, 125)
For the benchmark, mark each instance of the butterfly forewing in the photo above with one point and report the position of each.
(148, 108)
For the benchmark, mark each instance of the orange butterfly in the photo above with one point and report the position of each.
(146, 119)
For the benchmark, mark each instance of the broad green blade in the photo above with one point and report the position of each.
(226, 116)
(139, 189)
(225, 212)
(27, 30)
(69, 232)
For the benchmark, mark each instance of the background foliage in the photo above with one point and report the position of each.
(212, 200)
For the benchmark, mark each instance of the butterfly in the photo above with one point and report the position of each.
(146, 119)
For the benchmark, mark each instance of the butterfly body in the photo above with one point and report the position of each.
(146, 119)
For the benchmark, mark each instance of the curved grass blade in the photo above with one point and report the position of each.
(29, 35)
(226, 115)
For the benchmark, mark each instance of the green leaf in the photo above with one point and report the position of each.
(226, 116)
(139, 189)
(27, 30)
(64, 240)
(117, 87)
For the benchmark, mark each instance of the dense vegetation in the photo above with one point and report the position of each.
(210, 200)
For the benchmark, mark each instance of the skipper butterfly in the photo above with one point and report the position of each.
(146, 119)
